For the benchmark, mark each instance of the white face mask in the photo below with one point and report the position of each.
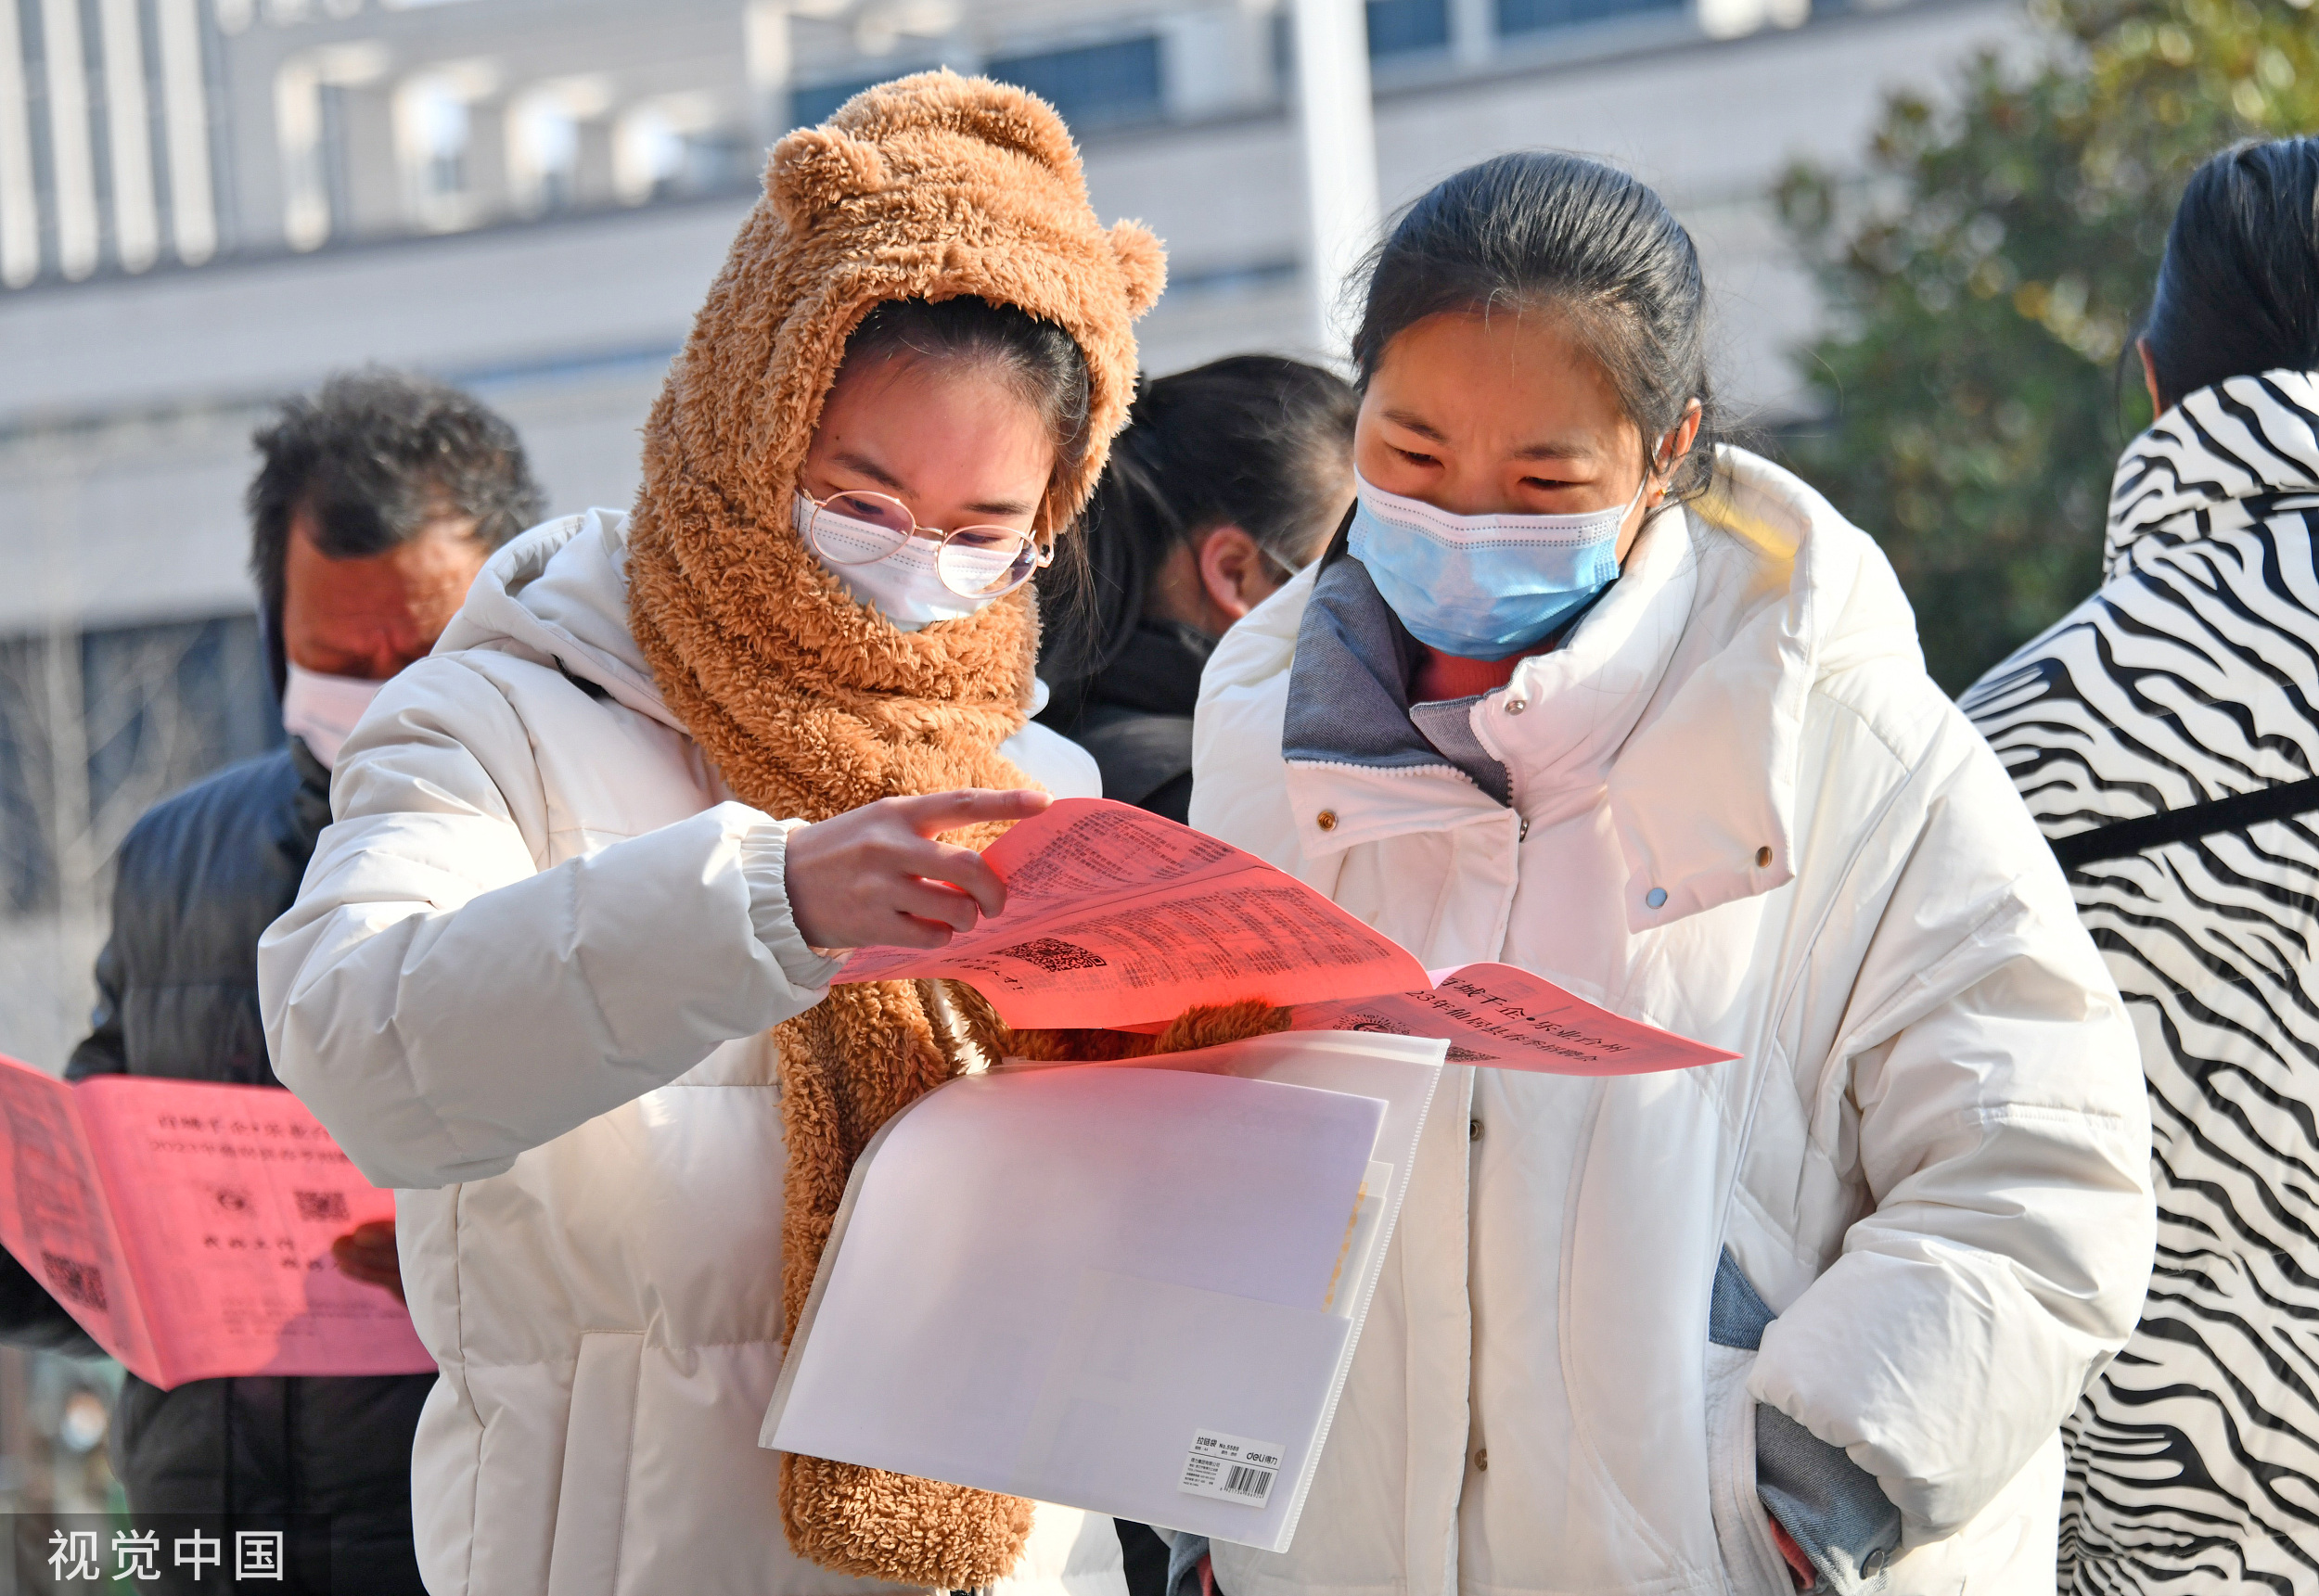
(904, 587)
(321, 711)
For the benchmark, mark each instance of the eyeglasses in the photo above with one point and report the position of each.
(859, 529)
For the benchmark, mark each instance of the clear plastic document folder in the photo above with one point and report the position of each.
(1133, 1288)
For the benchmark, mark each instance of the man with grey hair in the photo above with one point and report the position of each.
(376, 501)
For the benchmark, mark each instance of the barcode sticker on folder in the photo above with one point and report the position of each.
(1230, 1468)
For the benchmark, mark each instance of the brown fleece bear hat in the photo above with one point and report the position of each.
(933, 187)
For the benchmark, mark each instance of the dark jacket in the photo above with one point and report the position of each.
(201, 877)
(1135, 716)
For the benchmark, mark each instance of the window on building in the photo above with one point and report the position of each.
(545, 124)
(1092, 86)
(676, 145)
(434, 131)
(1533, 15)
(1403, 27)
(648, 154)
(310, 91)
(543, 154)
(438, 134)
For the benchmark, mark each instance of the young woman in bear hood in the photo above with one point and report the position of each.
(559, 970)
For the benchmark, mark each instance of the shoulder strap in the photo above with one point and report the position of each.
(2121, 838)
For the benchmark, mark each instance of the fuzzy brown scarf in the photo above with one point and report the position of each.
(811, 704)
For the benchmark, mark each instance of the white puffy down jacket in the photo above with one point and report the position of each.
(1732, 805)
(521, 983)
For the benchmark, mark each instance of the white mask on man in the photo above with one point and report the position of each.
(322, 709)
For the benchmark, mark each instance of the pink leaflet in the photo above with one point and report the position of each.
(1506, 1018)
(195, 1239)
(1116, 917)
(1120, 919)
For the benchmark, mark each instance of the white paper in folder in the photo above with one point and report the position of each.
(1133, 1288)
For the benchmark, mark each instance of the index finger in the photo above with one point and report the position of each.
(971, 806)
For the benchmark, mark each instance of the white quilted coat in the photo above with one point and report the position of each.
(521, 983)
(1740, 811)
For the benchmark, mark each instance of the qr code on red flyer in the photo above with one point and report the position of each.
(329, 1206)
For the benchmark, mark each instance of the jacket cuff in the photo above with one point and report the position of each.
(764, 854)
(1833, 1507)
(1186, 1553)
(1828, 1504)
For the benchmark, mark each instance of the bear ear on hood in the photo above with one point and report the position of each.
(1008, 118)
(1143, 264)
(816, 170)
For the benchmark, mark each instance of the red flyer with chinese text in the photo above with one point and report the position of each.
(1122, 920)
(188, 1227)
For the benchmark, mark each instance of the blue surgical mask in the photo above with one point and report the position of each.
(1482, 587)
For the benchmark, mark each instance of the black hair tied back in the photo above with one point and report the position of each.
(1257, 441)
(1544, 231)
(2238, 294)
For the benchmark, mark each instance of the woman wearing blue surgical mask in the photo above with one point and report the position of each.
(1580, 690)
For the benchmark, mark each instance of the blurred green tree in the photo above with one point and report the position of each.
(1987, 272)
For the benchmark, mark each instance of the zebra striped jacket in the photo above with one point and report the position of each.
(2192, 675)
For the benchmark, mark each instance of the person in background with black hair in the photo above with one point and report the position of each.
(1581, 690)
(2165, 733)
(376, 501)
(1228, 480)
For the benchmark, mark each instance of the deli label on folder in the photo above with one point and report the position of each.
(1230, 1468)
